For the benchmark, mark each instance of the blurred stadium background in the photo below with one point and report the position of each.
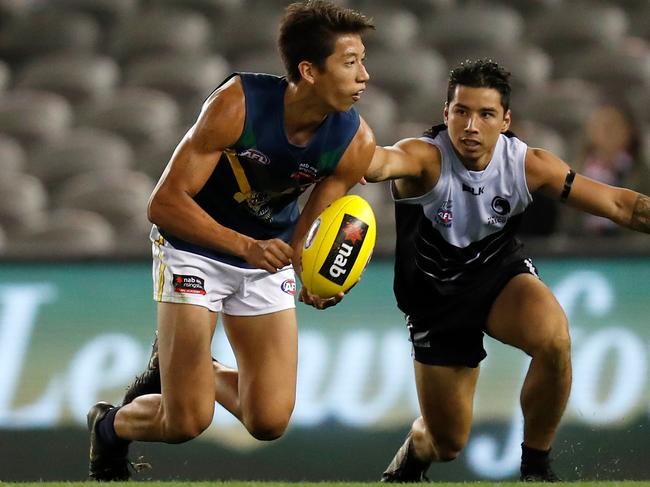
(94, 96)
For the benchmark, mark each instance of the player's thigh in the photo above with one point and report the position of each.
(526, 315)
(266, 349)
(187, 378)
(446, 396)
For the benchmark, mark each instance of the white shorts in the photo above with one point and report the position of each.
(185, 277)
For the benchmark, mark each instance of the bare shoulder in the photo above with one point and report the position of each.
(357, 156)
(222, 117)
(544, 170)
(420, 150)
(364, 140)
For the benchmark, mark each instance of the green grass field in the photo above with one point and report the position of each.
(319, 484)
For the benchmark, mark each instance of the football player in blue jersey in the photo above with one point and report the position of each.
(460, 191)
(228, 235)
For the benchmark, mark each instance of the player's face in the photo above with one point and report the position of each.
(343, 79)
(474, 119)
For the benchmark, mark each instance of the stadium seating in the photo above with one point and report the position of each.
(12, 156)
(80, 79)
(489, 25)
(211, 9)
(140, 115)
(64, 234)
(188, 79)
(563, 105)
(119, 199)
(23, 202)
(380, 111)
(93, 89)
(418, 70)
(105, 12)
(5, 75)
(44, 31)
(83, 150)
(160, 31)
(34, 117)
(399, 29)
(570, 27)
(615, 70)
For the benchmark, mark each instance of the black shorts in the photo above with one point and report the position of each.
(452, 333)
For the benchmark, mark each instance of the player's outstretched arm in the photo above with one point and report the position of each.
(172, 206)
(552, 176)
(408, 158)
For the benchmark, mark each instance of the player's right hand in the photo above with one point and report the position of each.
(270, 255)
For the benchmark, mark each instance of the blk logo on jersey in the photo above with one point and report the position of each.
(444, 215)
(289, 287)
(188, 284)
(345, 250)
(474, 191)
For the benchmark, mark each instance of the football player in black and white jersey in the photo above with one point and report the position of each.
(460, 191)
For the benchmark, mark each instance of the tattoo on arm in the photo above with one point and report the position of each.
(641, 215)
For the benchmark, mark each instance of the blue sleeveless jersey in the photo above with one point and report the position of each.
(255, 185)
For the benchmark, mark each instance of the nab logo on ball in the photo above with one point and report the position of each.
(345, 250)
(338, 246)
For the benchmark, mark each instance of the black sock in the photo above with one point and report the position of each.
(106, 430)
(532, 457)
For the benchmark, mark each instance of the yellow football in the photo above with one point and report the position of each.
(338, 246)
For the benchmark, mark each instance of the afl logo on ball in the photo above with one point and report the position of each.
(312, 233)
(289, 287)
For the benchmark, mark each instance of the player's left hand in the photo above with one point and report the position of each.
(318, 302)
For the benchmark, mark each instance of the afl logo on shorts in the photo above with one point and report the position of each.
(500, 206)
(289, 287)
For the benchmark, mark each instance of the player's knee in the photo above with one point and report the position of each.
(268, 427)
(180, 430)
(556, 348)
(448, 449)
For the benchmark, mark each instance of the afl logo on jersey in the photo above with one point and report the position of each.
(256, 156)
(500, 206)
(444, 215)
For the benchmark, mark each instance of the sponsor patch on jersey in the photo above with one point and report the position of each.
(255, 156)
(345, 250)
(475, 191)
(500, 206)
(188, 284)
(444, 215)
(289, 287)
(306, 174)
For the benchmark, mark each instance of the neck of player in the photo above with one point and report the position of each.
(303, 113)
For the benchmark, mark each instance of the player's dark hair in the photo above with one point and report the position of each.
(481, 73)
(309, 29)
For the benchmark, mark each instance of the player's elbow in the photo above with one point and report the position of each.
(376, 174)
(154, 210)
(159, 206)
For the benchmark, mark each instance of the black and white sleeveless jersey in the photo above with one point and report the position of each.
(448, 238)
